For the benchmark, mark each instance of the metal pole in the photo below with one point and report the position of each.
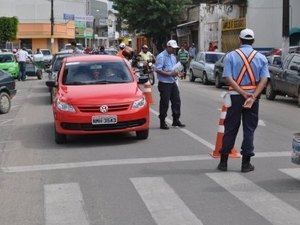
(285, 27)
(52, 27)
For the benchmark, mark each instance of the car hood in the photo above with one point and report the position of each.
(105, 93)
(7, 65)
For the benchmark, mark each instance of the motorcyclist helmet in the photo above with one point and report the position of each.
(127, 52)
(122, 45)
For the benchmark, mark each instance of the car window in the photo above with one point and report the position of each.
(212, 58)
(57, 63)
(96, 73)
(295, 61)
(46, 52)
(6, 58)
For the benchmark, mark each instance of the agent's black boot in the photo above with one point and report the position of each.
(163, 125)
(176, 122)
(246, 165)
(223, 162)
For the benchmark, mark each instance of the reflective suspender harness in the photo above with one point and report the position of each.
(246, 68)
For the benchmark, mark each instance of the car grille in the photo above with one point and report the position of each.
(111, 108)
(91, 127)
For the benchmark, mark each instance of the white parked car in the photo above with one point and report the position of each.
(203, 66)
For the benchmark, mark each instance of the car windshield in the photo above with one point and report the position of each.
(212, 58)
(96, 73)
(57, 64)
(68, 46)
(46, 52)
(6, 58)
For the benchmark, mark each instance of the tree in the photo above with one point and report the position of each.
(8, 28)
(154, 18)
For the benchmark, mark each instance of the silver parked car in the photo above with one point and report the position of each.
(203, 66)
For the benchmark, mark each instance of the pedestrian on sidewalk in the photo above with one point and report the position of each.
(246, 72)
(167, 85)
(183, 58)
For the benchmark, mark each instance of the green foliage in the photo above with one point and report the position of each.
(8, 28)
(155, 18)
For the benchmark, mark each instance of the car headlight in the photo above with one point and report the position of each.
(139, 103)
(64, 106)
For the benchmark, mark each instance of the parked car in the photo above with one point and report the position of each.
(54, 69)
(47, 57)
(78, 45)
(111, 51)
(88, 100)
(274, 60)
(9, 63)
(218, 73)
(203, 66)
(7, 91)
(285, 79)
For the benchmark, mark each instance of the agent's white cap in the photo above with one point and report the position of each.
(247, 34)
(173, 44)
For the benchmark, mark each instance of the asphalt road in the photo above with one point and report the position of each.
(168, 179)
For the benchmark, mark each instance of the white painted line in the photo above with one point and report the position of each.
(261, 123)
(189, 133)
(6, 121)
(293, 172)
(276, 211)
(64, 205)
(133, 161)
(163, 203)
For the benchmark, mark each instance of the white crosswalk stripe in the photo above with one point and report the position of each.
(64, 205)
(293, 172)
(163, 203)
(276, 211)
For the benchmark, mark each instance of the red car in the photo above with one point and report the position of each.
(98, 94)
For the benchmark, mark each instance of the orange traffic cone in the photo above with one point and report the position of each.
(148, 93)
(220, 134)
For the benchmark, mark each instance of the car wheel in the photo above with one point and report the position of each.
(270, 93)
(192, 77)
(143, 134)
(204, 79)
(5, 103)
(39, 74)
(218, 81)
(60, 138)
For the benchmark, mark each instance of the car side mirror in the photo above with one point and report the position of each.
(296, 68)
(51, 83)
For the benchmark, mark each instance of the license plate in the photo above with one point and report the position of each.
(104, 120)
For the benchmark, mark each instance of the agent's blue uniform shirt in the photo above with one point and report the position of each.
(165, 61)
(233, 65)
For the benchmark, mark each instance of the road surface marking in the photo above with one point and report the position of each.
(261, 123)
(133, 161)
(293, 172)
(189, 133)
(163, 203)
(64, 205)
(259, 200)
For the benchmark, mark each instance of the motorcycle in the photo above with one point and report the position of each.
(145, 68)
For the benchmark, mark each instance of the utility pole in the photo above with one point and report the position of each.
(52, 27)
(285, 27)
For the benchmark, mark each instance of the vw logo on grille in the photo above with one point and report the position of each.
(103, 108)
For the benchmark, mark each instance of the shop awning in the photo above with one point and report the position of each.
(190, 23)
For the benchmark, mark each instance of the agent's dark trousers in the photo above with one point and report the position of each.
(22, 75)
(169, 92)
(235, 114)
